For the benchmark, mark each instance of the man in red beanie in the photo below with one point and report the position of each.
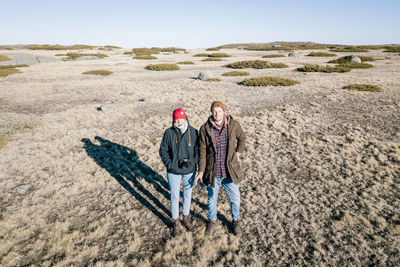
(221, 143)
(179, 153)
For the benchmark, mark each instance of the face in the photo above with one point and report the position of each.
(179, 122)
(218, 114)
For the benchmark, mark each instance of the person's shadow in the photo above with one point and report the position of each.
(124, 165)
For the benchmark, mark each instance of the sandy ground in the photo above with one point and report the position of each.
(322, 164)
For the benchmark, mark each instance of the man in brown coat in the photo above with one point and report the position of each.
(221, 143)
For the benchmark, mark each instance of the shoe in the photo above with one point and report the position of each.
(236, 227)
(187, 223)
(211, 227)
(176, 228)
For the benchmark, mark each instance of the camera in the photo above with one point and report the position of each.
(183, 163)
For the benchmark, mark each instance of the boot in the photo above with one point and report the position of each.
(236, 227)
(187, 223)
(211, 227)
(176, 230)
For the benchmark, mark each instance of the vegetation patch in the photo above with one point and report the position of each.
(144, 57)
(13, 66)
(273, 56)
(392, 49)
(6, 72)
(146, 51)
(350, 49)
(363, 87)
(201, 55)
(3, 142)
(255, 64)
(212, 59)
(170, 49)
(213, 49)
(319, 68)
(219, 55)
(185, 63)
(269, 81)
(285, 48)
(321, 54)
(4, 58)
(347, 59)
(356, 65)
(98, 72)
(162, 67)
(72, 56)
(236, 73)
(212, 80)
(112, 47)
(59, 47)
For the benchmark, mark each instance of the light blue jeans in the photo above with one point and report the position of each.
(174, 182)
(233, 193)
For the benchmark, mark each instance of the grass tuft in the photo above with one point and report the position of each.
(255, 64)
(273, 56)
(269, 81)
(321, 54)
(6, 72)
(185, 63)
(236, 73)
(363, 87)
(212, 80)
(72, 56)
(213, 49)
(3, 142)
(319, 68)
(219, 55)
(144, 57)
(201, 55)
(346, 59)
(98, 72)
(392, 49)
(4, 58)
(162, 67)
(59, 47)
(112, 47)
(285, 48)
(356, 65)
(350, 49)
(146, 51)
(13, 66)
(212, 59)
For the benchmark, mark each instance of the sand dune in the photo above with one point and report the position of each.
(322, 164)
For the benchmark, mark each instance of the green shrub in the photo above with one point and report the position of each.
(269, 81)
(162, 67)
(146, 51)
(72, 56)
(212, 59)
(319, 68)
(392, 49)
(349, 49)
(346, 59)
(255, 64)
(364, 87)
(98, 72)
(212, 80)
(273, 55)
(201, 55)
(236, 73)
(356, 65)
(6, 72)
(4, 58)
(219, 55)
(13, 66)
(144, 57)
(213, 49)
(185, 63)
(321, 54)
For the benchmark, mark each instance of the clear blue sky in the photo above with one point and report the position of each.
(198, 24)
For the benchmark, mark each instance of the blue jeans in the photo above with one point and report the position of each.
(174, 182)
(233, 193)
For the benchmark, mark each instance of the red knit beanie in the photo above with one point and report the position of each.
(178, 114)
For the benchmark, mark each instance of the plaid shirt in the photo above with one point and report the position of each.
(221, 139)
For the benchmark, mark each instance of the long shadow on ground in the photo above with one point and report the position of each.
(124, 165)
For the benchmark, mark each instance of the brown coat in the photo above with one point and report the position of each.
(207, 152)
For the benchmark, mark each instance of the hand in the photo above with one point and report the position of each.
(199, 177)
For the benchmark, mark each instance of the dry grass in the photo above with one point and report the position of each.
(13, 66)
(392, 49)
(273, 56)
(171, 49)
(213, 49)
(4, 58)
(98, 72)
(3, 142)
(269, 81)
(356, 65)
(201, 55)
(73, 56)
(212, 59)
(212, 80)
(6, 72)
(321, 54)
(146, 51)
(326, 69)
(219, 55)
(162, 67)
(346, 59)
(112, 47)
(285, 48)
(364, 87)
(144, 57)
(255, 64)
(185, 63)
(350, 49)
(59, 47)
(236, 73)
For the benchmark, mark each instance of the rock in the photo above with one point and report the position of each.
(178, 52)
(26, 59)
(22, 188)
(355, 59)
(276, 46)
(292, 54)
(204, 75)
(126, 93)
